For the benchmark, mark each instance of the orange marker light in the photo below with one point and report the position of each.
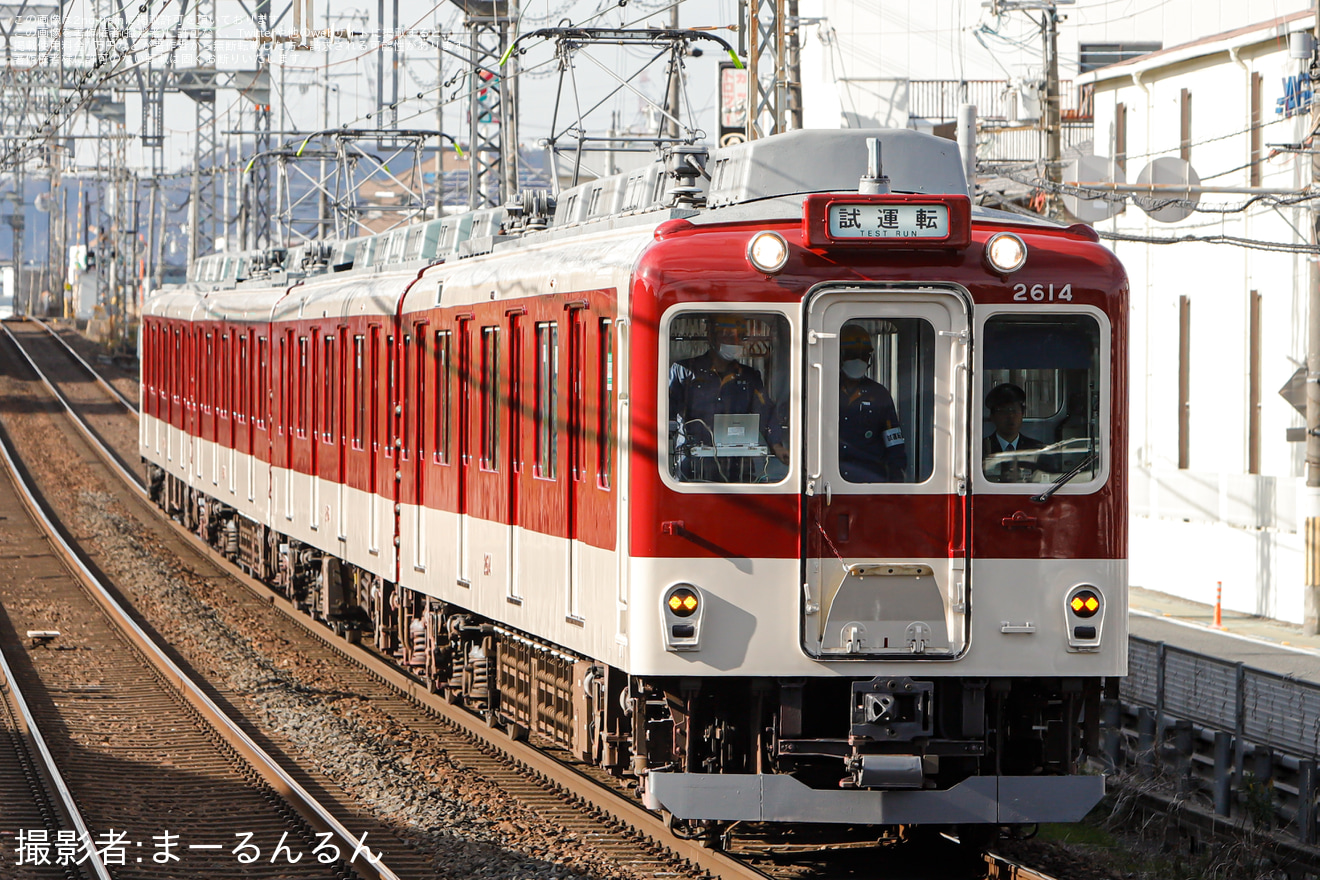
(683, 602)
(1084, 604)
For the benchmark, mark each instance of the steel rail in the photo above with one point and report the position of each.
(101, 380)
(9, 684)
(85, 429)
(318, 816)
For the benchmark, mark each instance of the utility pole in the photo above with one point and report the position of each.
(1052, 115)
(1311, 539)
(1051, 118)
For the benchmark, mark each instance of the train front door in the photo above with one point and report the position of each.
(886, 445)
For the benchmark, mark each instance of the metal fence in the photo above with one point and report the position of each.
(1225, 729)
(939, 99)
(1262, 707)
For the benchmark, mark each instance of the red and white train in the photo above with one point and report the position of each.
(691, 470)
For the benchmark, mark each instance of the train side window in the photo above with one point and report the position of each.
(290, 417)
(328, 392)
(392, 385)
(728, 388)
(302, 393)
(263, 387)
(359, 390)
(1041, 396)
(886, 430)
(514, 401)
(416, 426)
(176, 377)
(244, 379)
(343, 385)
(443, 380)
(490, 402)
(605, 405)
(208, 376)
(226, 378)
(546, 412)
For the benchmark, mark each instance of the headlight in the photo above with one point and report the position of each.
(768, 252)
(1005, 252)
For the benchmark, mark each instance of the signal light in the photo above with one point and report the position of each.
(683, 602)
(1084, 604)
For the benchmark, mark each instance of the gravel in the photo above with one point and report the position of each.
(402, 774)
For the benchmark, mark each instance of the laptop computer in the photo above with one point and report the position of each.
(736, 432)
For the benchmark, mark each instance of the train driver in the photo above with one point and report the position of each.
(1002, 449)
(871, 444)
(717, 383)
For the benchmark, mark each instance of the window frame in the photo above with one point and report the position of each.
(328, 386)
(443, 340)
(545, 404)
(980, 482)
(605, 421)
(791, 483)
(359, 386)
(491, 394)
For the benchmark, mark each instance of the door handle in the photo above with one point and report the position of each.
(1020, 520)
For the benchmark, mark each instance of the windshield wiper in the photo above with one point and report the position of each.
(1063, 480)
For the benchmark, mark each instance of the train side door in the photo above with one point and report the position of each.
(575, 405)
(464, 435)
(886, 437)
(312, 388)
(375, 413)
(515, 408)
(417, 413)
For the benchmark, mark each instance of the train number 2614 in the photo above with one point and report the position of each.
(1041, 293)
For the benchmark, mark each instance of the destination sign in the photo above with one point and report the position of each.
(888, 221)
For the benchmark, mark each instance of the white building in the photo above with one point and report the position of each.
(1218, 487)
(1217, 329)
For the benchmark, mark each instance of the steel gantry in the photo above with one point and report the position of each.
(492, 102)
(774, 82)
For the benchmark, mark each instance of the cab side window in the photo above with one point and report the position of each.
(1041, 417)
(728, 391)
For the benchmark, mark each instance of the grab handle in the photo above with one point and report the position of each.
(820, 422)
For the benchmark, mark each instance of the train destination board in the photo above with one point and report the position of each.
(888, 221)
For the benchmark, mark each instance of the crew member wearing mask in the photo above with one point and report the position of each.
(871, 444)
(716, 382)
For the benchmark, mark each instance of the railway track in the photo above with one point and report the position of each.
(585, 809)
(34, 793)
(159, 772)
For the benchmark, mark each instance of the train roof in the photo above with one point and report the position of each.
(756, 181)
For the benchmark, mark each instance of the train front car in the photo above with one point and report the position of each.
(878, 541)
